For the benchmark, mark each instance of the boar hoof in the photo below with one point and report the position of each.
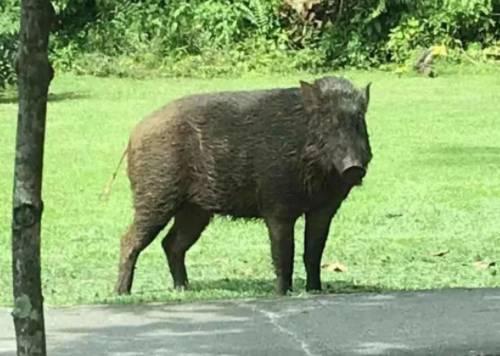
(283, 289)
(122, 290)
(284, 292)
(181, 288)
(313, 288)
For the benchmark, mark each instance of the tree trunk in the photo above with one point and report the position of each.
(34, 76)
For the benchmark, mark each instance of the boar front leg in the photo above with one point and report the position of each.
(282, 251)
(316, 233)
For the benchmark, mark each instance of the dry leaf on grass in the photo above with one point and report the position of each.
(334, 267)
(482, 265)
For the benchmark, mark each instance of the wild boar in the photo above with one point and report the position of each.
(271, 154)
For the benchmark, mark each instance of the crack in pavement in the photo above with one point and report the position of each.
(273, 319)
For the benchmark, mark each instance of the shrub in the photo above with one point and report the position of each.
(216, 37)
(9, 34)
(453, 23)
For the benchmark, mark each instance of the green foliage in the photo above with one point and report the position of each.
(207, 38)
(453, 23)
(9, 27)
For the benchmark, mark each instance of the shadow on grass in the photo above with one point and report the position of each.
(67, 96)
(464, 155)
(10, 99)
(231, 290)
(263, 287)
(13, 98)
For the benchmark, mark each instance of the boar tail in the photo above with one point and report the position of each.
(107, 189)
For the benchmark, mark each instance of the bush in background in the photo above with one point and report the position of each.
(216, 37)
(9, 28)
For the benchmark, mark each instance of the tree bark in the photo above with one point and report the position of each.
(34, 76)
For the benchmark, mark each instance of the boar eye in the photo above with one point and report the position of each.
(359, 125)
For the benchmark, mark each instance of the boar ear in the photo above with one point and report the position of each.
(310, 94)
(367, 94)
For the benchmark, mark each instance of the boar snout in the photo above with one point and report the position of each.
(352, 171)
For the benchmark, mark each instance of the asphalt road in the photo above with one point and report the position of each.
(447, 322)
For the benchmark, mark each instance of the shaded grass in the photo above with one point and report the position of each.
(434, 185)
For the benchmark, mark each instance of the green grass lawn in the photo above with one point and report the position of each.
(433, 186)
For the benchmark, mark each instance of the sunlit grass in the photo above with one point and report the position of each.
(434, 186)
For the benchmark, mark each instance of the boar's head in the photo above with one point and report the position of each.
(337, 129)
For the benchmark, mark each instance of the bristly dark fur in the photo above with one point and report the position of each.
(250, 154)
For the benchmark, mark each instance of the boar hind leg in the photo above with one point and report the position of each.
(282, 251)
(316, 233)
(139, 235)
(189, 223)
